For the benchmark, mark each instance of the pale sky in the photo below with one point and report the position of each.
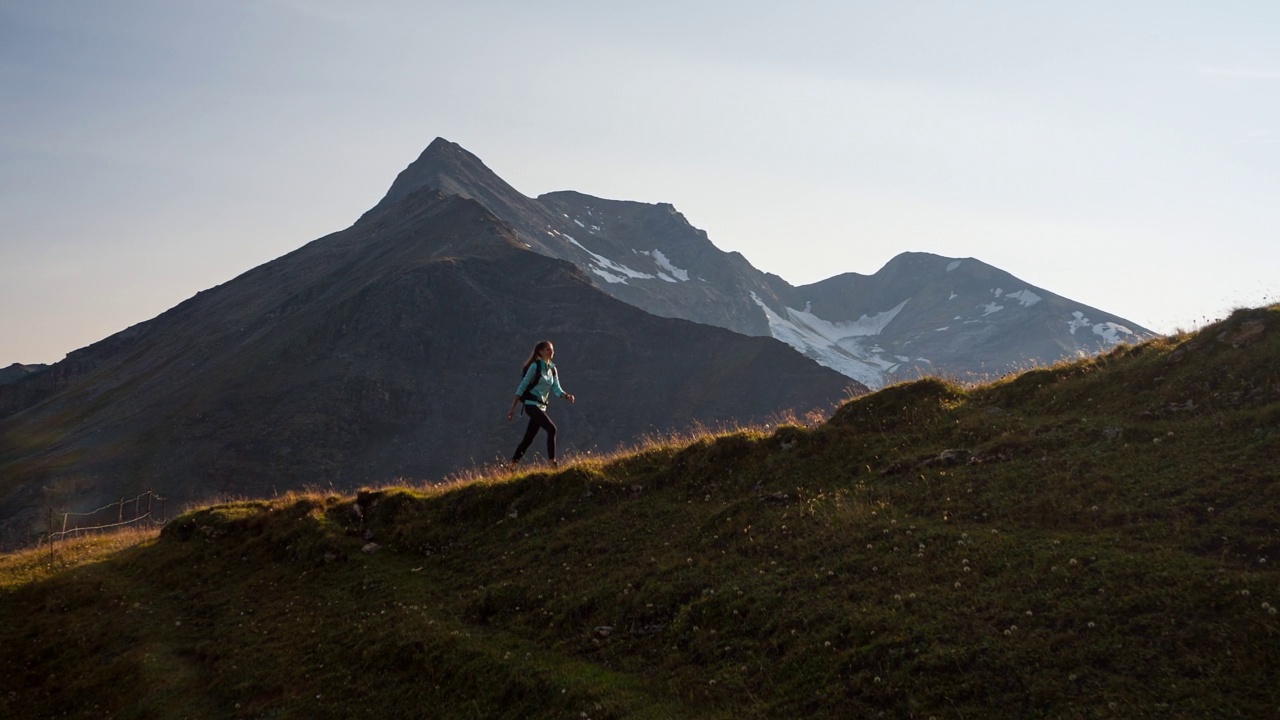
(1123, 154)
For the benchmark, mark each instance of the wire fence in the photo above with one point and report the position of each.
(145, 509)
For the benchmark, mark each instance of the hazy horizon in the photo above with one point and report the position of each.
(1125, 156)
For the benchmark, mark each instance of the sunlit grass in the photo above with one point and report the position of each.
(38, 562)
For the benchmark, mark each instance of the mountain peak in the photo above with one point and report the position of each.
(448, 167)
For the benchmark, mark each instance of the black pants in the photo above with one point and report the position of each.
(537, 419)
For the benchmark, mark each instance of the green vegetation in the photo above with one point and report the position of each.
(1095, 539)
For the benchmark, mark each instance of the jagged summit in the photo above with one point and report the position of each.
(640, 253)
(447, 167)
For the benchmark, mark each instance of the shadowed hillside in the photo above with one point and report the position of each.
(1094, 539)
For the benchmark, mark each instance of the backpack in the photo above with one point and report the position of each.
(528, 392)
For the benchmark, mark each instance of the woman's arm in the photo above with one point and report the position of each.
(559, 391)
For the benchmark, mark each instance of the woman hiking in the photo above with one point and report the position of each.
(539, 381)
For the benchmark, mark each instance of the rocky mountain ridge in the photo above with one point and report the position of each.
(919, 314)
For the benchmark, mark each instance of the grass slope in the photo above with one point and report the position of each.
(1095, 539)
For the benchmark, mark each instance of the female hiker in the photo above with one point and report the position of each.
(539, 381)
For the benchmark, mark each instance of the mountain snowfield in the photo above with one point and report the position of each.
(846, 347)
(919, 314)
(851, 347)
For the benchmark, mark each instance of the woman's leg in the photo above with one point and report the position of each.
(537, 419)
(529, 432)
(550, 427)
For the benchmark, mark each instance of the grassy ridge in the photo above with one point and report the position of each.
(1094, 539)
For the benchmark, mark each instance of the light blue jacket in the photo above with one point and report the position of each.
(542, 383)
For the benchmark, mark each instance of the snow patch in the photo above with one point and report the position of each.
(1113, 333)
(942, 329)
(608, 276)
(665, 264)
(990, 308)
(1025, 297)
(953, 296)
(608, 268)
(1110, 332)
(1077, 321)
(846, 347)
(954, 264)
